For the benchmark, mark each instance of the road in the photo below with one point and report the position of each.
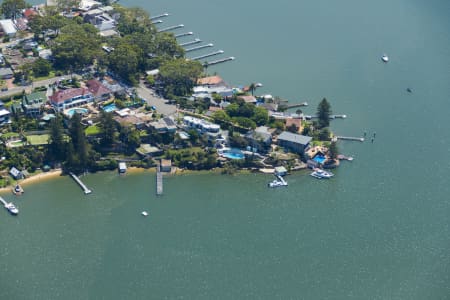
(161, 106)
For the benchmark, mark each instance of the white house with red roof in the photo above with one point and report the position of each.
(100, 92)
(69, 98)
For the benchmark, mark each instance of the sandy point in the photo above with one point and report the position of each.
(34, 179)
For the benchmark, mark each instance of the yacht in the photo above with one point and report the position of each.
(385, 58)
(12, 208)
(319, 173)
(144, 213)
(18, 190)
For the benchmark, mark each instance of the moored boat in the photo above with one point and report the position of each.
(385, 58)
(17, 190)
(321, 174)
(12, 208)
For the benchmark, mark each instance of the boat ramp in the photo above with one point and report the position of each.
(80, 183)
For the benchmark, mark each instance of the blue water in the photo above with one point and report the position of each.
(233, 154)
(319, 158)
(110, 107)
(71, 111)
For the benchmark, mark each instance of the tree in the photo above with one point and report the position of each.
(56, 146)
(124, 61)
(107, 128)
(179, 76)
(67, 5)
(78, 159)
(260, 115)
(41, 67)
(333, 150)
(323, 113)
(324, 134)
(293, 128)
(252, 88)
(13, 8)
(220, 116)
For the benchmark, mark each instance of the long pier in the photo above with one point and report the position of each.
(350, 138)
(293, 105)
(309, 117)
(159, 181)
(159, 16)
(171, 28)
(207, 55)
(196, 41)
(198, 47)
(158, 22)
(183, 34)
(215, 62)
(3, 201)
(82, 185)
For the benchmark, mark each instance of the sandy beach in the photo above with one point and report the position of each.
(34, 179)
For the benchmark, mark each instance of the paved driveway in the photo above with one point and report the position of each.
(161, 106)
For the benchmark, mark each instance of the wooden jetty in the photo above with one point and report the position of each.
(208, 55)
(199, 47)
(80, 183)
(159, 16)
(350, 138)
(183, 34)
(293, 105)
(196, 41)
(309, 117)
(171, 28)
(159, 180)
(215, 62)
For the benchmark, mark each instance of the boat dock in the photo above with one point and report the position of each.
(3, 201)
(207, 55)
(309, 117)
(215, 62)
(183, 34)
(159, 16)
(171, 28)
(196, 41)
(198, 47)
(350, 138)
(159, 181)
(82, 185)
(293, 105)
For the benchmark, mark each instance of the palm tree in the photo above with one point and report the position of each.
(252, 88)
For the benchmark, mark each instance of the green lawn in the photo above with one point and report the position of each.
(41, 139)
(92, 130)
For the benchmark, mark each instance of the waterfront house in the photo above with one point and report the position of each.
(248, 99)
(297, 122)
(16, 174)
(8, 27)
(295, 142)
(6, 73)
(259, 140)
(211, 81)
(73, 97)
(4, 115)
(98, 90)
(32, 103)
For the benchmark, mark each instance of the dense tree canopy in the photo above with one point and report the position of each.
(323, 113)
(77, 46)
(13, 8)
(179, 76)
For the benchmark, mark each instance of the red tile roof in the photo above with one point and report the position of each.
(63, 95)
(297, 122)
(29, 12)
(97, 88)
(211, 80)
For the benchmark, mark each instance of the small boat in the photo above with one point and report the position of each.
(276, 183)
(409, 90)
(321, 174)
(144, 213)
(385, 58)
(12, 208)
(18, 190)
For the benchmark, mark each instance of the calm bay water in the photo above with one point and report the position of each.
(378, 230)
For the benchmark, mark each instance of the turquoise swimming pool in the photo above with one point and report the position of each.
(319, 158)
(110, 107)
(233, 154)
(81, 111)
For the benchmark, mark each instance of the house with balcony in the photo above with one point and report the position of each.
(294, 142)
(32, 104)
(4, 115)
(70, 98)
(98, 90)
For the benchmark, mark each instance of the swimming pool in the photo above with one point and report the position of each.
(81, 111)
(110, 107)
(319, 158)
(233, 154)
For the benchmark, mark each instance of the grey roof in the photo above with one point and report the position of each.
(6, 71)
(294, 138)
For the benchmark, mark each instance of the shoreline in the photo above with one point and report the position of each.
(33, 179)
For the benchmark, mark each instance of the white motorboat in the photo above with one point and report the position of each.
(385, 58)
(321, 174)
(277, 183)
(12, 208)
(144, 213)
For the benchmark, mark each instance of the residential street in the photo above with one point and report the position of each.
(161, 106)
